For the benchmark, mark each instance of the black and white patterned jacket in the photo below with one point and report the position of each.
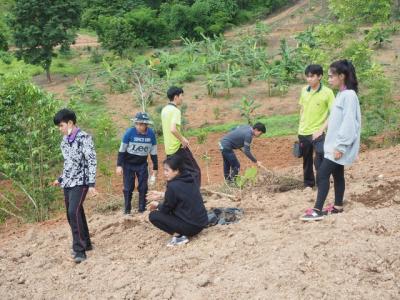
(79, 161)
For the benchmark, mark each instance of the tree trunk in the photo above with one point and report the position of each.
(48, 74)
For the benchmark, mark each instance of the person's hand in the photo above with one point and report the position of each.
(317, 135)
(153, 178)
(337, 154)
(185, 142)
(92, 192)
(155, 195)
(119, 171)
(153, 205)
(259, 164)
(55, 183)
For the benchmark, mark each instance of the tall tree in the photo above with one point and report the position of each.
(41, 25)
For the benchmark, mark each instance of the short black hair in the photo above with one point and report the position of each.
(314, 70)
(64, 115)
(260, 127)
(174, 91)
(175, 162)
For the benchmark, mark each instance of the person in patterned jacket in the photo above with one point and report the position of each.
(77, 179)
(137, 144)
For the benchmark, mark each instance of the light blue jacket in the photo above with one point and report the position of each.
(344, 128)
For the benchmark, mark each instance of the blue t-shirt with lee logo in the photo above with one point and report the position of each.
(135, 148)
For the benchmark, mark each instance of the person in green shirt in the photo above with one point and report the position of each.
(174, 142)
(315, 102)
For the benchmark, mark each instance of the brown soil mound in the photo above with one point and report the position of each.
(381, 195)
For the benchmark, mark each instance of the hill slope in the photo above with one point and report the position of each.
(268, 254)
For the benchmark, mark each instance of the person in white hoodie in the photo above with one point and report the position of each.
(342, 142)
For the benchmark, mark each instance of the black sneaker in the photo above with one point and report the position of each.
(88, 248)
(79, 257)
(312, 214)
(331, 209)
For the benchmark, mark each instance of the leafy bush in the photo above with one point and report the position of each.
(249, 177)
(117, 77)
(247, 107)
(360, 54)
(378, 108)
(379, 35)
(4, 36)
(361, 10)
(116, 34)
(138, 28)
(6, 57)
(31, 146)
(85, 90)
(96, 56)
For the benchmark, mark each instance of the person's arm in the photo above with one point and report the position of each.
(122, 152)
(348, 130)
(170, 201)
(318, 133)
(154, 159)
(90, 156)
(178, 135)
(330, 100)
(246, 148)
(177, 121)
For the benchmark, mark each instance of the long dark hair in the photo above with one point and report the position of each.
(175, 162)
(346, 68)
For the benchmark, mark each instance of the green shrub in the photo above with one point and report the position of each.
(379, 35)
(96, 56)
(361, 10)
(31, 147)
(6, 57)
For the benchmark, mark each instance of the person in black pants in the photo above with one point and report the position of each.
(78, 178)
(308, 146)
(315, 103)
(239, 138)
(137, 144)
(182, 214)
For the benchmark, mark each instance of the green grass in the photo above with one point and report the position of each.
(19, 66)
(71, 64)
(67, 65)
(86, 31)
(278, 125)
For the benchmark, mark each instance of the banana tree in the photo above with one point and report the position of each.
(231, 76)
(268, 72)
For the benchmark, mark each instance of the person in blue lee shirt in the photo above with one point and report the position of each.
(137, 144)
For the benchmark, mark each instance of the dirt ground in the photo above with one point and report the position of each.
(269, 254)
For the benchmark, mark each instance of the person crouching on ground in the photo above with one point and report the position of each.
(239, 138)
(182, 213)
(78, 178)
(138, 142)
(342, 141)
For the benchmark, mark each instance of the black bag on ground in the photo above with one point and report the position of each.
(224, 215)
(297, 150)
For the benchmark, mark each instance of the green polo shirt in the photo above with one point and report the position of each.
(170, 114)
(315, 108)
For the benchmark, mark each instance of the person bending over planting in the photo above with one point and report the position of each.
(239, 138)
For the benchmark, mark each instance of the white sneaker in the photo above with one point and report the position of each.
(178, 240)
